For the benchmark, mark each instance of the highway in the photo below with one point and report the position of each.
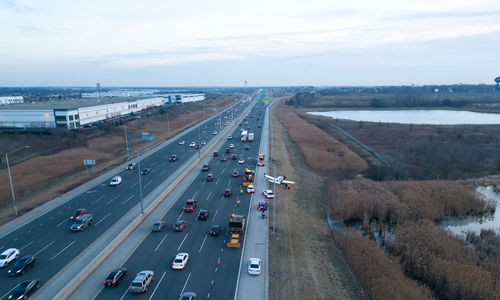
(48, 236)
(203, 274)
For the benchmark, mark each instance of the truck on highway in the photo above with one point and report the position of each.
(236, 228)
(244, 136)
(251, 137)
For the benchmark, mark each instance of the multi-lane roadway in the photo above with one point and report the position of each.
(48, 236)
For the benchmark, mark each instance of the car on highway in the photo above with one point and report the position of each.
(205, 168)
(215, 132)
(22, 265)
(262, 206)
(241, 161)
(78, 213)
(254, 266)
(116, 180)
(236, 173)
(173, 157)
(192, 144)
(142, 281)
(269, 194)
(223, 159)
(182, 142)
(234, 157)
(24, 289)
(215, 230)
(146, 171)
(188, 296)
(158, 226)
(179, 225)
(261, 156)
(203, 143)
(229, 137)
(115, 277)
(197, 146)
(82, 223)
(189, 206)
(216, 154)
(203, 215)
(8, 256)
(231, 146)
(180, 261)
(210, 177)
(204, 128)
(130, 166)
(247, 147)
(228, 192)
(250, 189)
(228, 150)
(260, 164)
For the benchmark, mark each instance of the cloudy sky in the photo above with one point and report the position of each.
(266, 42)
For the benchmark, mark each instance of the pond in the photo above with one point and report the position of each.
(460, 227)
(430, 117)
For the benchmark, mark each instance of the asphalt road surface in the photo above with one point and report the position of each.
(49, 238)
(212, 269)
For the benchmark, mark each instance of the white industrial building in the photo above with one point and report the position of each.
(11, 100)
(77, 113)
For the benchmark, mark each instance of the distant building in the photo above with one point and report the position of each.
(11, 100)
(184, 98)
(120, 93)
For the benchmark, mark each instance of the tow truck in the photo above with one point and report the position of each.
(236, 228)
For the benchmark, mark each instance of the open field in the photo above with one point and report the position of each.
(45, 177)
(305, 263)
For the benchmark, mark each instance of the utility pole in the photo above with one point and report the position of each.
(126, 142)
(168, 126)
(10, 177)
(140, 180)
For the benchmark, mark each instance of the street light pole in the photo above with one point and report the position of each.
(126, 142)
(168, 126)
(10, 176)
(140, 181)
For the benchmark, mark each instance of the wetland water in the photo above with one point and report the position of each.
(430, 117)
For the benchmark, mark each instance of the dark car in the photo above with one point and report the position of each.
(228, 193)
(224, 159)
(262, 206)
(22, 265)
(115, 276)
(197, 146)
(173, 157)
(234, 157)
(190, 205)
(179, 225)
(247, 147)
(158, 226)
(236, 174)
(188, 296)
(210, 177)
(216, 154)
(24, 289)
(146, 171)
(131, 166)
(78, 213)
(215, 230)
(205, 168)
(203, 214)
(228, 150)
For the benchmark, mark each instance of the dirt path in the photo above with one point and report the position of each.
(304, 261)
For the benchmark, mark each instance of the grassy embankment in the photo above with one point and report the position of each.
(429, 255)
(45, 177)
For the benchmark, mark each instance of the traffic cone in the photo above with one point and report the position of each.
(218, 262)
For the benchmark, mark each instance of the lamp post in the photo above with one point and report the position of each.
(274, 204)
(140, 180)
(10, 176)
(126, 142)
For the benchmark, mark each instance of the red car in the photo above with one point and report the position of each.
(223, 159)
(179, 225)
(190, 205)
(210, 177)
(78, 213)
(203, 214)
(234, 157)
(216, 154)
(228, 193)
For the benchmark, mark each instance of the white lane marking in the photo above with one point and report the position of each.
(65, 220)
(185, 284)
(5, 296)
(161, 242)
(128, 199)
(180, 216)
(97, 200)
(116, 197)
(62, 250)
(164, 163)
(204, 180)
(133, 185)
(229, 182)
(146, 185)
(125, 293)
(222, 171)
(102, 219)
(44, 248)
(217, 181)
(203, 243)
(163, 172)
(209, 195)
(182, 241)
(26, 245)
(157, 285)
(215, 214)
(195, 194)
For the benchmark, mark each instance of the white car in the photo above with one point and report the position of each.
(192, 144)
(251, 189)
(115, 181)
(231, 146)
(182, 142)
(180, 261)
(241, 161)
(214, 133)
(229, 137)
(203, 143)
(254, 266)
(8, 256)
(269, 194)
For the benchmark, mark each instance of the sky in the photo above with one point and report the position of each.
(265, 42)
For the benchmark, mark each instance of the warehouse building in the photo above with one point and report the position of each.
(72, 114)
(6, 100)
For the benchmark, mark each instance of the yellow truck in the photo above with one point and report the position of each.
(236, 227)
(234, 242)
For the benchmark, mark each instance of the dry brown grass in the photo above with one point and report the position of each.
(322, 152)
